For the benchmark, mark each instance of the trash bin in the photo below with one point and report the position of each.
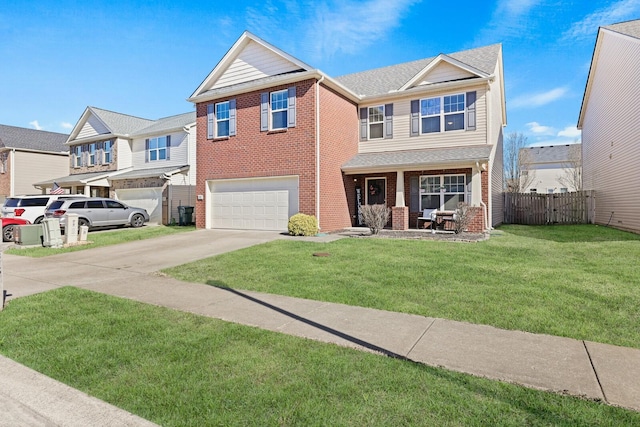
(186, 215)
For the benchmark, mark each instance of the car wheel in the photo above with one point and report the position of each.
(7, 233)
(38, 220)
(82, 222)
(137, 220)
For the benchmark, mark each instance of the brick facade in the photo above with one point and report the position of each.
(5, 178)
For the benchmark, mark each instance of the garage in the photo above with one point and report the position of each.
(146, 198)
(252, 204)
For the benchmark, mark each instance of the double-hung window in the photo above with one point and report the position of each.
(77, 156)
(279, 106)
(91, 160)
(157, 149)
(107, 148)
(376, 122)
(444, 112)
(442, 192)
(222, 119)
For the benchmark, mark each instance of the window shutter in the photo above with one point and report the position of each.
(146, 150)
(415, 118)
(291, 109)
(471, 111)
(264, 111)
(232, 117)
(414, 193)
(363, 123)
(168, 147)
(72, 159)
(210, 122)
(467, 197)
(388, 121)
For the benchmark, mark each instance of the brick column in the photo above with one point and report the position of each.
(400, 218)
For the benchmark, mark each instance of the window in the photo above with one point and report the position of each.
(95, 204)
(222, 119)
(107, 148)
(91, 159)
(376, 122)
(533, 190)
(446, 112)
(442, 192)
(279, 107)
(550, 190)
(157, 148)
(564, 190)
(77, 156)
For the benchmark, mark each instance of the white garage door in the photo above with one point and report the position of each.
(146, 198)
(253, 204)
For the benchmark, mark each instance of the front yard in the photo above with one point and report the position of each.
(574, 281)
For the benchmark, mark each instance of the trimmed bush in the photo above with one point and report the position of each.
(303, 225)
(375, 216)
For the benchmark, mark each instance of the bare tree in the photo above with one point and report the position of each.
(517, 174)
(571, 176)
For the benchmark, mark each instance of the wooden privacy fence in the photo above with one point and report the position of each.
(552, 208)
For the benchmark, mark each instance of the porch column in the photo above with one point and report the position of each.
(87, 190)
(476, 187)
(400, 213)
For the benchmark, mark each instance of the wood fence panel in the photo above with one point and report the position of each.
(541, 209)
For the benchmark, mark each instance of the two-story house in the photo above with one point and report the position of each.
(551, 168)
(610, 124)
(145, 163)
(28, 156)
(276, 136)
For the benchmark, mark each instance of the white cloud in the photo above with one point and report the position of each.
(35, 125)
(66, 125)
(538, 99)
(508, 20)
(570, 132)
(537, 128)
(618, 11)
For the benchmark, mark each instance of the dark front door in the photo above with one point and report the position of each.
(376, 191)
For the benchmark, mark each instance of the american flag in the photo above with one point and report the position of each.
(56, 189)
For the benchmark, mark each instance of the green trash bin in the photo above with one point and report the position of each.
(185, 215)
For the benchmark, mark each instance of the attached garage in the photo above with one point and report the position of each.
(146, 198)
(252, 204)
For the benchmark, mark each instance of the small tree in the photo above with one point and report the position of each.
(517, 173)
(375, 217)
(463, 217)
(571, 176)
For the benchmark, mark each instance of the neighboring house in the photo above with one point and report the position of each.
(277, 136)
(551, 169)
(28, 156)
(610, 124)
(144, 163)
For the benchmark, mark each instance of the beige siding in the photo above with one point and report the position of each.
(496, 214)
(37, 167)
(611, 133)
(92, 127)
(254, 62)
(180, 195)
(178, 153)
(123, 149)
(495, 136)
(401, 127)
(445, 72)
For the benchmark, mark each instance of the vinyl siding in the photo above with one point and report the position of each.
(445, 72)
(611, 133)
(402, 120)
(495, 135)
(123, 147)
(37, 167)
(178, 153)
(180, 195)
(92, 127)
(254, 62)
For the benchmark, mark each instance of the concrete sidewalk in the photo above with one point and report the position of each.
(591, 370)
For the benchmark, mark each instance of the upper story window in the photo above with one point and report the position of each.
(107, 151)
(222, 119)
(158, 148)
(376, 122)
(443, 114)
(91, 154)
(77, 156)
(279, 108)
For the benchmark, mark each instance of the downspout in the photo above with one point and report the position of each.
(482, 203)
(318, 150)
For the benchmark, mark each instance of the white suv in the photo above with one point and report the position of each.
(30, 208)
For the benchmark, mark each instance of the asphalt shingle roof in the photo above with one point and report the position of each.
(31, 139)
(630, 28)
(380, 81)
(147, 173)
(120, 124)
(167, 123)
(412, 158)
(552, 153)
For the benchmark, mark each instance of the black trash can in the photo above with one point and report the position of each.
(185, 214)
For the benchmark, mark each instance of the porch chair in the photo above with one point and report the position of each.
(428, 216)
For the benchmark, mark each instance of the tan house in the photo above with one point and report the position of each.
(28, 156)
(551, 168)
(610, 124)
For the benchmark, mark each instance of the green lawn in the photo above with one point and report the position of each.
(575, 281)
(179, 369)
(104, 238)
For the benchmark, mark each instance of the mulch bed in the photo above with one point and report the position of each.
(416, 235)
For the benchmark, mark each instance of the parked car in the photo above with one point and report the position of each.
(9, 226)
(30, 207)
(97, 212)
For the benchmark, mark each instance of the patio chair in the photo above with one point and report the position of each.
(428, 216)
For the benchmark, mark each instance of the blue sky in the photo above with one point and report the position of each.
(145, 58)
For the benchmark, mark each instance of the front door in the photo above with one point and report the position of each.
(376, 191)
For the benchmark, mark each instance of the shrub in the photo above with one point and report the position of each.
(375, 216)
(303, 225)
(463, 217)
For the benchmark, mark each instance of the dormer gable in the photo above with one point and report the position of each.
(441, 69)
(250, 59)
(89, 125)
(96, 123)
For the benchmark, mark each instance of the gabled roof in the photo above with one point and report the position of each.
(629, 29)
(480, 61)
(32, 139)
(551, 153)
(168, 124)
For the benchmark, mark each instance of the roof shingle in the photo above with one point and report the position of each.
(32, 139)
